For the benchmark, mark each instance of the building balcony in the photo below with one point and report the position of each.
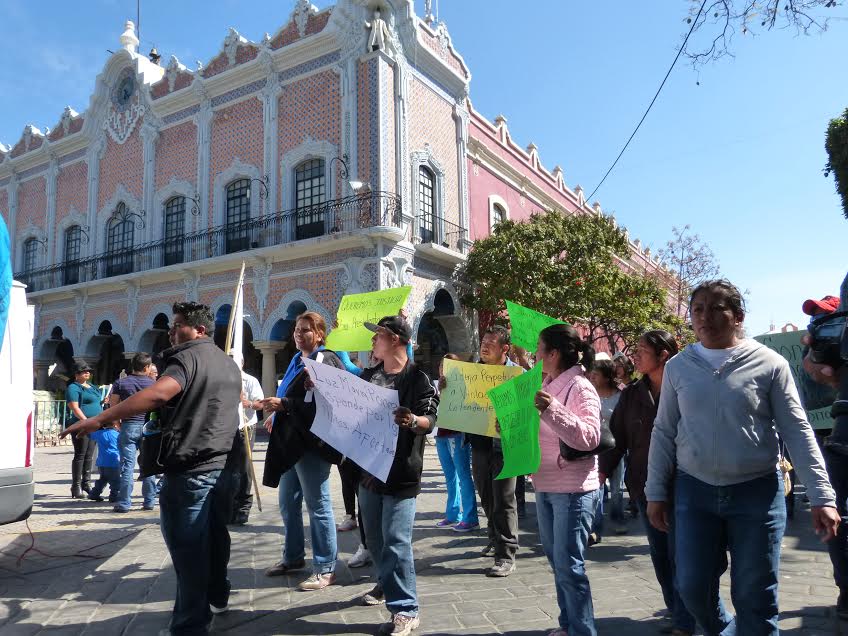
(349, 214)
(440, 238)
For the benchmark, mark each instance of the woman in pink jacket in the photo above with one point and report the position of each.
(567, 491)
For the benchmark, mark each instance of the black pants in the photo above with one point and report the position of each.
(84, 449)
(351, 474)
(498, 499)
(242, 484)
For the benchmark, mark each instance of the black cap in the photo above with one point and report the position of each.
(395, 324)
(79, 367)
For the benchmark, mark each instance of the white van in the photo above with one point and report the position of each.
(17, 434)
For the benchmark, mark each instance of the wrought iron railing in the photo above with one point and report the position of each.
(434, 229)
(371, 209)
(49, 417)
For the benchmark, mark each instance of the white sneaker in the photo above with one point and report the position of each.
(348, 524)
(360, 559)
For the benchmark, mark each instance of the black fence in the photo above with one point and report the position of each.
(372, 209)
(442, 232)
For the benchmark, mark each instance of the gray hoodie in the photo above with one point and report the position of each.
(721, 426)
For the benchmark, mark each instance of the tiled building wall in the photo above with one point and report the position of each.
(4, 205)
(71, 192)
(367, 126)
(176, 154)
(32, 204)
(121, 164)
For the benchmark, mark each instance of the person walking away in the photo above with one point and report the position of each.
(129, 439)
(388, 509)
(567, 491)
(83, 401)
(298, 463)
(496, 495)
(455, 458)
(108, 462)
(631, 423)
(251, 401)
(714, 454)
(197, 396)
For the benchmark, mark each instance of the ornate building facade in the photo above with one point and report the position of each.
(340, 154)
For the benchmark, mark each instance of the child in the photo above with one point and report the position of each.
(108, 461)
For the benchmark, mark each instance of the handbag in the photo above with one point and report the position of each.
(150, 448)
(607, 442)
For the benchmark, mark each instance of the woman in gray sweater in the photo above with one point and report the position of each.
(714, 453)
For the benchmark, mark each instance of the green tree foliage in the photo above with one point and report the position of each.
(836, 144)
(569, 267)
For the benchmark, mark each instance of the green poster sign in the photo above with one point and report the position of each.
(357, 309)
(526, 324)
(519, 422)
(788, 344)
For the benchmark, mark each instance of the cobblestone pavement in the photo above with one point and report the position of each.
(90, 571)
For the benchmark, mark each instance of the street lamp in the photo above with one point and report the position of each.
(358, 187)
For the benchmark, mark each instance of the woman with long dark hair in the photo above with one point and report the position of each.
(567, 491)
(631, 423)
(84, 400)
(714, 453)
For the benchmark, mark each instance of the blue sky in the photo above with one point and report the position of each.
(738, 157)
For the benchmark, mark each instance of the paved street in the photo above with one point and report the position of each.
(91, 571)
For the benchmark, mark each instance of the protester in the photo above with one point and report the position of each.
(108, 462)
(455, 458)
(298, 462)
(251, 402)
(388, 509)
(623, 370)
(153, 373)
(631, 424)
(496, 495)
(197, 396)
(83, 400)
(603, 378)
(714, 445)
(567, 491)
(129, 441)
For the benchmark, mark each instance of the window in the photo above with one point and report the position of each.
(73, 239)
(310, 195)
(30, 254)
(238, 216)
(498, 214)
(426, 205)
(119, 243)
(174, 229)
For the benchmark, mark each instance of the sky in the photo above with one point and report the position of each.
(735, 148)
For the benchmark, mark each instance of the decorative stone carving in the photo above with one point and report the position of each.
(126, 109)
(80, 298)
(231, 44)
(379, 33)
(67, 115)
(173, 69)
(261, 284)
(191, 280)
(300, 15)
(132, 303)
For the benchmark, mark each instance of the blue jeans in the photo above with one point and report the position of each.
(616, 480)
(129, 441)
(194, 509)
(749, 518)
(388, 527)
(108, 475)
(565, 520)
(455, 458)
(598, 518)
(309, 479)
(661, 545)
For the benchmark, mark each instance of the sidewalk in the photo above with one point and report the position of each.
(94, 572)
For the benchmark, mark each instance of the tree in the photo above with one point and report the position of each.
(836, 144)
(692, 262)
(717, 21)
(571, 267)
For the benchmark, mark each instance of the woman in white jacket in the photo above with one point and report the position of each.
(714, 449)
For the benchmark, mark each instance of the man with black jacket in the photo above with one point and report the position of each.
(197, 395)
(388, 509)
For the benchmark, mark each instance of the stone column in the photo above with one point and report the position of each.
(41, 374)
(269, 349)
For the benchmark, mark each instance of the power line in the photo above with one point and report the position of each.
(657, 94)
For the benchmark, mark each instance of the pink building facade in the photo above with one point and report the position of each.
(338, 155)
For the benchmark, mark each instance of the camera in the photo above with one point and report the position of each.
(829, 340)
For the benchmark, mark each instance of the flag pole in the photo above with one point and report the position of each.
(245, 428)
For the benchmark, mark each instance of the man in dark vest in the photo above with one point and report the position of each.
(197, 396)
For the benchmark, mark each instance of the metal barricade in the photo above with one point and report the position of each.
(49, 418)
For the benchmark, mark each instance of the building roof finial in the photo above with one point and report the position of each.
(128, 38)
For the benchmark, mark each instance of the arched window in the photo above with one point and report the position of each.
(30, 255)
(119, 242)
(238, 216)
(426, 204)
(174, 229)
(498, 214)
(310, 184)
(71, 268)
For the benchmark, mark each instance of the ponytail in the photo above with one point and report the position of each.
(588, 359)
(566, 340)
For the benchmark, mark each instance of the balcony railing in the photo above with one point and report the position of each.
(372, 209)
(441, 232)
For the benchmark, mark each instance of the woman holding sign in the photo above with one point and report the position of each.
(567, 491)
(299, 462)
